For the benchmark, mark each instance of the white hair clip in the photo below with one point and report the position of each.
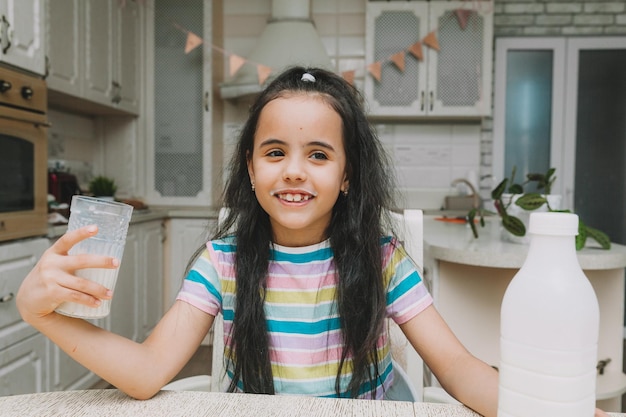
(308, 77)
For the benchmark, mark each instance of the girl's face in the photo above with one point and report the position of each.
(298, 167)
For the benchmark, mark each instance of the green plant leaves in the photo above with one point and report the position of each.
(581, 237)
(600, 237)
(514, 225)
(531, 201)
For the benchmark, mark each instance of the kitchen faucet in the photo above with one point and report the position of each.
(476, 203)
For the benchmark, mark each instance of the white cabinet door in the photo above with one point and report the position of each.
(64, 43)
(99, 54)
(21, 34)
(22, 350)
(459, 74)
(452, 81)
(94, 49)
(124, 317)
(23, 367)
(128, 34)
(184, 237)
(179, 149)
(151, 255)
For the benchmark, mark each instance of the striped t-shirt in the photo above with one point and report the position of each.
(305, 340)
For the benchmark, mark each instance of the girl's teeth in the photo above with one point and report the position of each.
(294, 197)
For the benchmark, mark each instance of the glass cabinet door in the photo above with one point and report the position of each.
(179, 164)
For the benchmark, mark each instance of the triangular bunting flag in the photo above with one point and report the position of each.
(463, 15)
(374, 69)
(349, 76)
(193, 41)
(398, 59)
(263, 72)
(431, 40)
(235, 62)
(416, 51)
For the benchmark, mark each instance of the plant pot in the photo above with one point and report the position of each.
(524, 215)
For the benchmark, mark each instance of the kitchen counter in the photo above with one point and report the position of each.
(468, 278)
(153, 213)
(454, 242)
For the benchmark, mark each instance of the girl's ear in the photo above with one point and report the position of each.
(345, 184)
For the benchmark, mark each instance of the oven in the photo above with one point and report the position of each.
(23, 155)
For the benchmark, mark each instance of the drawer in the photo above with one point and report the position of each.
(16, 261)
(23, 367)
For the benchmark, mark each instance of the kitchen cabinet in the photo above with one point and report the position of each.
(21, 34)
(94, 52)
(184, 237)
(22, 349)
(183, 165)
(137, 305)
(454, 81)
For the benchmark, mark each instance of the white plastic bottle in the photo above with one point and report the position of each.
(549, 328)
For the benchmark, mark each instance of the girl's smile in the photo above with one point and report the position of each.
(297, 166)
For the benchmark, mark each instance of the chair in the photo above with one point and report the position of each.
(408, 365)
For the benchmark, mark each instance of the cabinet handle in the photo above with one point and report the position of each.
(5, 34)
(422, 100)
(6, 298)
(431, 101)
(117, 90)
(206, 101)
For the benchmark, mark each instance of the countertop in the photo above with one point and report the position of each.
(154, 213)
(454, 242)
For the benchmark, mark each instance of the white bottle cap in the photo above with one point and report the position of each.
(553, 223)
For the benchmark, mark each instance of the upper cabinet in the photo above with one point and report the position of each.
(21, 34)
(451, 81)
(180, 155)
(94, 51)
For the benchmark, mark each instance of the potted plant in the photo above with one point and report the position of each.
(101, 186)
(509, 193)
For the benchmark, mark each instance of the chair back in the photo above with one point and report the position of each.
(409, 226)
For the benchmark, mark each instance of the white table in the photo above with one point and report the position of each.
(112, 402)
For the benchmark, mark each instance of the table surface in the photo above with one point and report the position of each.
(112, 402)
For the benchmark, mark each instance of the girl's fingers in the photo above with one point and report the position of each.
(69, 239)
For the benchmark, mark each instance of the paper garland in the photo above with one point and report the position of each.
(235, 62)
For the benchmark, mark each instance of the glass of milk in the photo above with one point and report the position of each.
(112, 219)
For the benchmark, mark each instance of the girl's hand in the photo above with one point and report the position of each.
(52, 280)
(600, 413)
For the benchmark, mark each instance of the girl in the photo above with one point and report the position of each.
(305, 280)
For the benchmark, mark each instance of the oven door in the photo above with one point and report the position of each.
(23, 176)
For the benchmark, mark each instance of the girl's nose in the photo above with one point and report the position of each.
(294, 170)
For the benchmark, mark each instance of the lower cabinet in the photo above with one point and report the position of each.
(23, 367)
(22, 349)
(184, 237)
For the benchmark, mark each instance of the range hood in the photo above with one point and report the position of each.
(289, 38)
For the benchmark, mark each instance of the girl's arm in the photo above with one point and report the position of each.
(462, 375)
(140, 370)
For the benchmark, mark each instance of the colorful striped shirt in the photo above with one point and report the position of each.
(301, 313)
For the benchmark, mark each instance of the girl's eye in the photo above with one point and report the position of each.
(275, 153)
(319, 155)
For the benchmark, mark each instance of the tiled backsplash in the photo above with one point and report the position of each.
(428, 158)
